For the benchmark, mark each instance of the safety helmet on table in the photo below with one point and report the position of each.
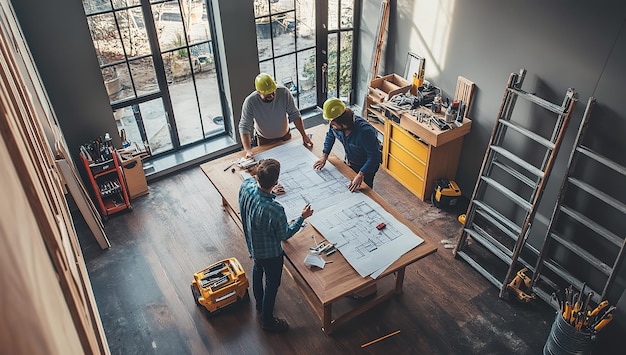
(264, 84)
(333, 108)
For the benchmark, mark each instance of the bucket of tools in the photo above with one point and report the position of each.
(564, 339)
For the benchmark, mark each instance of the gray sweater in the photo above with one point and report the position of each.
(270, 119)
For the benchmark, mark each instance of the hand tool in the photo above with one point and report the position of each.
(597, 310)
(606, 320)
(567, 311)
(229, 165)
(515, 286)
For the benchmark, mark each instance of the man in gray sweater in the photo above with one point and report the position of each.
(268, 111)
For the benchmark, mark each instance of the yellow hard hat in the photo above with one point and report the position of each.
(333, 108)
(264, 84)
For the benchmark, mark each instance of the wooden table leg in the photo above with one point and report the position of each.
(399, 280)
(328, 319)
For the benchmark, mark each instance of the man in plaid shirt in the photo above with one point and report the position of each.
(265, 226)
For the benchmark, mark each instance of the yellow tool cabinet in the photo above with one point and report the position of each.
(415, 162)
(416, 152)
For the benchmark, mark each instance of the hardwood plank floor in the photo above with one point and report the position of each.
(141, 286)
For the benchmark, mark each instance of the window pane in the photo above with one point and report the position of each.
(332, 65)
(144, 76)
(261, 8)
(118, 4)
(133, 31)
(153, 117)
(263, 34)
(345, 61)
(197, 23)
(306, 79)
(305, 24)
(266, 67)
(93, 6)
(169, 24)
(347, 13)
(333, 17)
(286, 72)
(284, 36)
(105, 38)
(185, 105)
(123, 89)
(281, 5)
(208, 95)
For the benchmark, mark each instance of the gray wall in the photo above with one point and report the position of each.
(561, 44)
(59, 40)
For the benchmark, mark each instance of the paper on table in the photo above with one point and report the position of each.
(314, 260)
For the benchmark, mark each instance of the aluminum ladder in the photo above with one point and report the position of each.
(587, 228)
(512, 178)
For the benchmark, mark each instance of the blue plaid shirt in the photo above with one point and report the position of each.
(264, 221)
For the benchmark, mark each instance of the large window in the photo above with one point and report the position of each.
(157, 64)
(307, 45)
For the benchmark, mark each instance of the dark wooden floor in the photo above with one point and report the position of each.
(141, 285)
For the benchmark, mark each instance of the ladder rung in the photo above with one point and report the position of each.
(618, 205)
(508, 193)
(539, 101)
(532, 135)
(479, 268)
(601, 159)
(524, 164)
(502, 223)
(547, 298)
(584, 220)
(583, 254)
(490, 244)
(569, 278)
(516, 174)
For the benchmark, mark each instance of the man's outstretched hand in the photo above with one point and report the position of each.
(307, 211)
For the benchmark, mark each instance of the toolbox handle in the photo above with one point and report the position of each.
(131, 165)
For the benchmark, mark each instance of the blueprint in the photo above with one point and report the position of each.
(346, 219)
(351, 224)
(302, 183)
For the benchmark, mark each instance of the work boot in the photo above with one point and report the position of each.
(278, 325)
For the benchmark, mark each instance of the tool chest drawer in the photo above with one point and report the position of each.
(406, 176)
(413, 163)
(412, 144)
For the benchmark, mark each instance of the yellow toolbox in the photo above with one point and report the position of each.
(222, 284)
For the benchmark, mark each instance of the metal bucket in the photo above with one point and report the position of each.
(564, 339)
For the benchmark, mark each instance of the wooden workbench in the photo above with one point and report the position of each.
(326, 287)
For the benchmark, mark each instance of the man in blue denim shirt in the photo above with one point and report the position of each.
(265, 226)
(359, 141)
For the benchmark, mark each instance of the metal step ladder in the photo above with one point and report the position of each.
(578, 235)
(512, 178)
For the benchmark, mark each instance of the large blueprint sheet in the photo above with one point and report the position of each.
(302, 183)
(351, 224)
(347, 219)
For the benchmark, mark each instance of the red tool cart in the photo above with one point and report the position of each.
(107, 180)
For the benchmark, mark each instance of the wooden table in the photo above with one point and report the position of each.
(326, 287)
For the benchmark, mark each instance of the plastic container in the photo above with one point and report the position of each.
(564, 339)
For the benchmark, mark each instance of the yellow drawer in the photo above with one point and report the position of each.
(414, 183)
(410, 143)
(414, 164)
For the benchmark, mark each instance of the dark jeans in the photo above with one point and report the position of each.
(266, 296)
(367, 178)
